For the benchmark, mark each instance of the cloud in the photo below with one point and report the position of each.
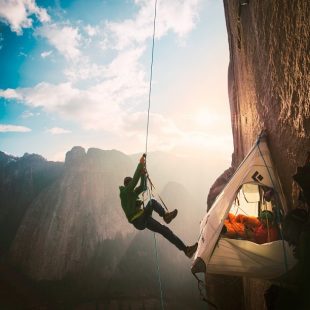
(127, 37)
(22, 54)
(64, 38)
(58, 131)
(46, 54)
(9, 94)
(124, 70)
(18, 14)
(1, 40)
(84, 69)
(90, 30)
(178, 16)
(94, 108)
(13, 128)
(111, 101)
(101, 107)
(27, 114)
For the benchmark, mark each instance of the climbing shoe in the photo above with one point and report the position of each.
(190, 250)
(169, 216)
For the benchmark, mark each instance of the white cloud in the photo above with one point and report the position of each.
(27, 114)
(64, 38)
(124, 71)
(18, 14)
(46, 54)
(110, 103)
(13, 128)
(84, 69)
(90, 30)
(58, 131)
(101, 107)
(9, 94)
(22, 54)
(178, 16)
(94, 108)
(128, 37)
(1, 40)
(49, 96)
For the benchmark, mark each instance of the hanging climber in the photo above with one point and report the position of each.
(141, 217)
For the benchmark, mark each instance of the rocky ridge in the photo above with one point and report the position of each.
(66, 221)
(21, 180)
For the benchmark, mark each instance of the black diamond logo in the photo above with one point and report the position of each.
(257, 177)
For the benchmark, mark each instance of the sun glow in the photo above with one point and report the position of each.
(205, 117)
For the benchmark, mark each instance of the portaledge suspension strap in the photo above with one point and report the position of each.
(201, 286)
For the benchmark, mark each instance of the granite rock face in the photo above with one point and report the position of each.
(21, 180)
(68, 219)
(218, 185)
(74, 244)
(269, 89)
(269, 80)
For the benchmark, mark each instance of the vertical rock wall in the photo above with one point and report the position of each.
(269, 79)
(269, 88)
(65, 223)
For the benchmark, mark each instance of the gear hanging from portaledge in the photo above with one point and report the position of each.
(302, 178)
(263, 134)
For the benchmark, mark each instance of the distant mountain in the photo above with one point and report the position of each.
(66, 221)
(71, 235)
(21, 180)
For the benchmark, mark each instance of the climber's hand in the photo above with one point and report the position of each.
(142, 159)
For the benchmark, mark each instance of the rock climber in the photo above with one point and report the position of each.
(141, 217)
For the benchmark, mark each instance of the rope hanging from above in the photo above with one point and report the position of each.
(151, 77)
(146, 148)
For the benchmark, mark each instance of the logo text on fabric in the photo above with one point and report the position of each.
(257, 177)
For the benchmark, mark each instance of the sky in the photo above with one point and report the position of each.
(76, 72)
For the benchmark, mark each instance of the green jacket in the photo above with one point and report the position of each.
(129, 195)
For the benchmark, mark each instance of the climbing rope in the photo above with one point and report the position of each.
(151, 77)
(151, 191)
(146, 145)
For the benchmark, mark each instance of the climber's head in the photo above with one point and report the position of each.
(127, 180)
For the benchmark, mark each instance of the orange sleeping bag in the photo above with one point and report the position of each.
(235, 225)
